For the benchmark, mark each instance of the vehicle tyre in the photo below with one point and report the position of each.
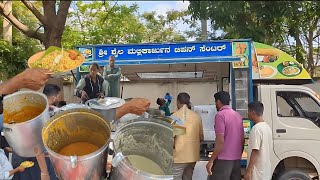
(294, 174)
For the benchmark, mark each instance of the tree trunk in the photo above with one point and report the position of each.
(299, 48)
(52, 20)
(7, 27)
(52, 38)
(311, 65)
(204, 31)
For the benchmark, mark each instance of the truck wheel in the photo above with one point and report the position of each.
(294, 174)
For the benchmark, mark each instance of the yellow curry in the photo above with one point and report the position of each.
(78, 149)
(25, 114)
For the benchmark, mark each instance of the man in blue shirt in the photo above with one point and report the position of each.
(164, 105)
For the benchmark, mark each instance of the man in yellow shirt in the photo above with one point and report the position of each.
(186, 150)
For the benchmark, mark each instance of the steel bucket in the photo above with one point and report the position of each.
(77, 125)
(25, 138)
(148, 137)
(109, 112)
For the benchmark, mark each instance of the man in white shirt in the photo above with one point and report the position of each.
(6, 169)
(259, 146)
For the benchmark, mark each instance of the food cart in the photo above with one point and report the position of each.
(235, 64)
(223, 61)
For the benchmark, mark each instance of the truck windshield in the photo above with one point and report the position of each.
(298, 104)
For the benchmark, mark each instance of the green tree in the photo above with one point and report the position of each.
(270, 22)
(51, 17)
(160, 28)
(13, 59)
(242, 19)
(103, 23)
(110, 23)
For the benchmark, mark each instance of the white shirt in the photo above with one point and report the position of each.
(261, 139)
(5, 166)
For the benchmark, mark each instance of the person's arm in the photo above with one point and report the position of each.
(105, 87)
(11, 86)
(118, 74)
(218, 145)
(79, 88)
(201, 130)
(105, 74)
(255, 142)
(219, 142)
(32, 79)
(12, 172)
(168, 103)
(253, 161)
(41, 158)
(136, 106)
(219, 130)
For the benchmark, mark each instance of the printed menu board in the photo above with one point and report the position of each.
(268, 62)
(271, 63)
(241, 50)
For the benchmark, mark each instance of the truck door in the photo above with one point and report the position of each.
(296, 121)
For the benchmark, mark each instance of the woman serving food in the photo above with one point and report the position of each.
(92, 85)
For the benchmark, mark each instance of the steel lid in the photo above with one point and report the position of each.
(105, 103)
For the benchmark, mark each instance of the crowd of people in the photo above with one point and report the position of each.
(224, 162)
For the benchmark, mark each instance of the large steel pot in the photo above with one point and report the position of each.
(25, 138)
(77, 125)
(108, 111)
(148, 137)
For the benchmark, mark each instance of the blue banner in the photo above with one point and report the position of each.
(162, 51)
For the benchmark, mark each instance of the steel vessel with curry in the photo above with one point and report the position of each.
(25, 113)
(77, 141)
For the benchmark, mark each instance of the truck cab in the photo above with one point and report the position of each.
(293, 114)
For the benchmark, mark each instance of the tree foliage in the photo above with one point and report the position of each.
(13, 59)
(277, 23)
(160, 28)
(109, 23)
(95, 22)
(103, 23)
(51, 16)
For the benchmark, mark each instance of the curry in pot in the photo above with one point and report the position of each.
(78, 149)
(25, 114)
